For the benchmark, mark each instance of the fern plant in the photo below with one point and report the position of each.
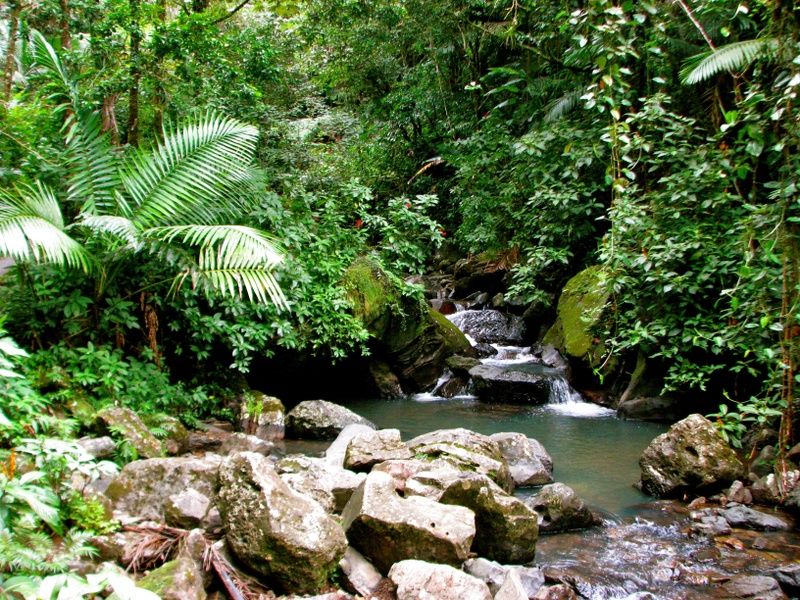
(174, 201)
(733, 57)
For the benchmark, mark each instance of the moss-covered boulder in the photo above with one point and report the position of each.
(261, 415)
(414, 338)
(275, 531)
(690, 457)
(580, 308)
(561, 509)
(321, 420)
(176, 437)
(178, 579)
(127, 424)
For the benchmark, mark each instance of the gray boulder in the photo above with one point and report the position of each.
(511, 589)
(467, 451)
(187, 509)
(368, 449)
(661, 409)
(560, 509)
(330, 486)
(506, 529)
(691, 456)
(175, 439)
(275, 531)
(144, 487)
(494, 575)
(749, 518)
(788, 577)
(335, 453)
(363, 578)
(99, 447)
(750, 587)
(559, 591)
(528, 460)
(127, 424)
(243, 442)
(178, 579)
(262, 416)
(320, 420)
(490, 326)
(417, 580)
(402, 471)
(387, 528)
(523, 384)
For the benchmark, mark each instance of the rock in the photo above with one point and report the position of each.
(580, 308)
(178, 579)
(764, 463)
(490, 326)
(368, 449)
(766, 490)
(511, 589)
(460, 365)
(690, 457)
(466, 450)
(186, 509)
(176, 437)
(739, 493)
(418, 580)
(335, 453)
(506, 529)
(528, 460)
(403, 470)
(708, 522)
(748, 518)
(262, 416)
(100, 447)
(555, 592)
(130, 427)
(483, 350)
(788, 577)
(275, 531)
(747, 587)
(560, 509)
(794, 454)
(243, 442)
(551, 357)
(414, 338)
(522, 384)
(143, 487)
(494, 575)
(660, 409)
(363, 578)
(330, 486)
(386, 382)
(320, 420)
(387, 528)
(81, 410)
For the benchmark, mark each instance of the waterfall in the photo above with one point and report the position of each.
(561, 392)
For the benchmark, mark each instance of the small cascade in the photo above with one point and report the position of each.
(566, 400)
(561, 392)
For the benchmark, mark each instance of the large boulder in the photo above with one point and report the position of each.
(418, 580)
(175, 437)
(560, 509)
(490, 326)
(363, 578)
(275, 531)
(127, 424)
(414, 338)
(691, 456)
(387, 528)
(749, 587)
(580, 308)
(495, 575)
(528, 460)
(467, 451)
(329, 485)
(368, 449)
(244, 442)
(521, 384)
(144, 487)
(262, 416)
(335, 453)
(320, 420)
(506, 529)
(661, 409)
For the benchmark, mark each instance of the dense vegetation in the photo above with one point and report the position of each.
(183, 185)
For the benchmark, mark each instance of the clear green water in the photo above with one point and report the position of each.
(596, 456)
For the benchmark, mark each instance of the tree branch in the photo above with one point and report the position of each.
(239, 7)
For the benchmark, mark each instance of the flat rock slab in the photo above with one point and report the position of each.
(418, 580)
(370, 448)
(331, 486)
(387, 528)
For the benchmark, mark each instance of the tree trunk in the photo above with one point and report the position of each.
(132, 134)
(66, 38)
(11, 50)
(109, 116)
(159, 94)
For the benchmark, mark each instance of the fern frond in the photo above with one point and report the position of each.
(563, 105)
(32, 228)
(731, 57)
(195, 176)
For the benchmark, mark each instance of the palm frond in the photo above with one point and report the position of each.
(196, 175)
(736, 56)
(120, 227)
(232, 260)
(563, 105)
(32, 228)
(46, 57)
(94, 166)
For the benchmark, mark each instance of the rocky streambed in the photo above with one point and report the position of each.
(422, 510)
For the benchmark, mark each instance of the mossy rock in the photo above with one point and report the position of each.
(178, 579)
(580, 309)
(415, 339)
(131, 428)
(176, 438)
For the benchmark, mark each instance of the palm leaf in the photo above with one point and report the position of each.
(46, 57)
(94, 166)
(731, 57)
(32, 228)
(120, 227)
(560, 107)
(195, 176)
